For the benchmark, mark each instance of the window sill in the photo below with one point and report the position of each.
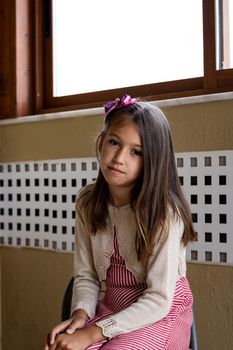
(99, 111)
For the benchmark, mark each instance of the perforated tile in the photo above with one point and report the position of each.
(207, 179)
(37, 202)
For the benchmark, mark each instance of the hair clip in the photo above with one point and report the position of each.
(125, 100)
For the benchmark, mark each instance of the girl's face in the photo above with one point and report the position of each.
(121, 158)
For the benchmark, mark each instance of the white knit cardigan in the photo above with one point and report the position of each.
(92, 259)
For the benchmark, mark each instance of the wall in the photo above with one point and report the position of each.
(0, 304)
(32, 291)
(33, 280)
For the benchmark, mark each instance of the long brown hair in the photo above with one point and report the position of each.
(157, 192)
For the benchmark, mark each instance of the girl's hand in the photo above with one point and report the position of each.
(79, 319)
(80, 340)
(69, 326)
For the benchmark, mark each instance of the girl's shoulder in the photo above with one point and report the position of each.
(84, 194)
(86, 189)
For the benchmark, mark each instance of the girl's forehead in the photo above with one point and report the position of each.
(123, 124)
(122, 120)
(128, 132)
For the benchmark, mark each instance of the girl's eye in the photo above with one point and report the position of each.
(113, 142)
(137, 152)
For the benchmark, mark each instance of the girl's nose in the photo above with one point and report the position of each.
(119, 157)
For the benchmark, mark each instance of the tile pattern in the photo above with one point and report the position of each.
(37, 202)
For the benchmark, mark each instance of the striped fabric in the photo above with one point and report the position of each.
(171, 333)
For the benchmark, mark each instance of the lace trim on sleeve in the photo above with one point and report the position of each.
(84, 306)
(110, 327)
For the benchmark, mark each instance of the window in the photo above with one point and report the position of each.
(154, 41)
(194, 33)
(224, 29)
(96, 64)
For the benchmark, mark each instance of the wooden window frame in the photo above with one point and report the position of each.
(213, 80)
(16, 58)
(26, 65)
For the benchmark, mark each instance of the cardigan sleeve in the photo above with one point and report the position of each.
(86, 283)
(155, 303)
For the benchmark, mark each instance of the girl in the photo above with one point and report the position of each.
(132, 226)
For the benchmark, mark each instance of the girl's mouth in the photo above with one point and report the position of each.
(116, 170)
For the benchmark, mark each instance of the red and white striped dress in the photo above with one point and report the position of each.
(170, 333)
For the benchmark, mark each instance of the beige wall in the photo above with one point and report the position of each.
(33, 288)
(0, 304)
(33, 281)
(195, 127)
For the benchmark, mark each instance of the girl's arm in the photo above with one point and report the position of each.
(156, 300)
(86, 284)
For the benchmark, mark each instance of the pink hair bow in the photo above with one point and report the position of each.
(125, 100)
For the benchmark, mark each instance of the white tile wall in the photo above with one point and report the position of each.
(37, 202)
(207, 179)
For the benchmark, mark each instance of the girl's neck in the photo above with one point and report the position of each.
(119, 197)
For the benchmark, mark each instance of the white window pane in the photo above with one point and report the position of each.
(231, 33)
(106, 44)
(224, 34)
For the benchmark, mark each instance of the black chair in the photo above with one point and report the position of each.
(66, 302)
(193, 339)
(66, 306)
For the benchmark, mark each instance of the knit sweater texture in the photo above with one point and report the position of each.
(166, 265)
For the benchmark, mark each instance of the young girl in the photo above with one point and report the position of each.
(132, 226)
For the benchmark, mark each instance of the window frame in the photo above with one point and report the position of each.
(213, 81)
(26, 65)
